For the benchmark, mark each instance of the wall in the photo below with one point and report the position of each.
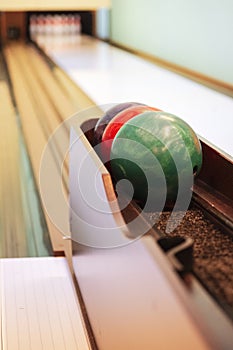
(102, 23)
(13, 25)
(196, 34)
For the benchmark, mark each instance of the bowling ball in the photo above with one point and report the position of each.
(116, 123)
(159, 154)
(109, 114)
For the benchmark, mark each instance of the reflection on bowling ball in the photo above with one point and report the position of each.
(159, 154)
(116, 123)
(109, 114)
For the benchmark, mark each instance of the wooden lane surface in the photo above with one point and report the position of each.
(79, 99)
(66, 88)
(13, 241)
(45, 98)
(55, 95)
(58, 97)
(35, 140)
(49, 118)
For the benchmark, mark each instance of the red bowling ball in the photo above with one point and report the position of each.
(108, 116)
(116, 123)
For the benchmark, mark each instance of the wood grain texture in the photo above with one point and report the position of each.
(34, 135)
(13, 238)
(45, 98)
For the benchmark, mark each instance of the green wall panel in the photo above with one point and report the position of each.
(196, 34)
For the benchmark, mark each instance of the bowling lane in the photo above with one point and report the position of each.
(110, 75)
(22, 230)
(43, 105)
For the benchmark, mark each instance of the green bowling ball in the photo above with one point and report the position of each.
(159, 154)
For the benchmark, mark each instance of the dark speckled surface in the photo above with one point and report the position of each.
(213, 253)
